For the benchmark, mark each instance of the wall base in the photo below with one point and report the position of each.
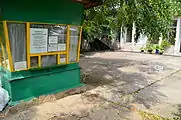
(26, 85)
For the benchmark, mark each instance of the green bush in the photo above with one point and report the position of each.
(142, 48)
(149, 46)
(172, 41)
(156, 47)
(165, 44)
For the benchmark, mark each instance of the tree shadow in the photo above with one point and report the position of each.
(115, 85)
(121, 80)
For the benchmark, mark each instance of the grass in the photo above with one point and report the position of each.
(149, 116)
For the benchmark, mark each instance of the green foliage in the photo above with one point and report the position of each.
(149, 46)
(149, 116)
(172, 41)
(156, 47)
(151, 17)
(165, 44)
(142, 48)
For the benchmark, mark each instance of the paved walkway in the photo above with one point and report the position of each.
(118, 86)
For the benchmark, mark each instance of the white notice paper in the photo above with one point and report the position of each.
(61, 47)
(53, 39)
(38, 40)
(20, 65)
(62, 60)
(52, 47)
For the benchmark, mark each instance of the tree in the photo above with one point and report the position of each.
(152, 17)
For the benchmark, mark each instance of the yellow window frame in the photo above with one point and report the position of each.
(3, 54)
(8, 46)
(39, 55)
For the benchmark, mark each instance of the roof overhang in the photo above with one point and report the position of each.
(89, 3)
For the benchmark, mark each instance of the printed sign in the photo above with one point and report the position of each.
(20, 65)
(38, 40)
(53, 39)
(61, 47)
(52, 47)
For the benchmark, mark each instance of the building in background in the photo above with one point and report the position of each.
(128, 42)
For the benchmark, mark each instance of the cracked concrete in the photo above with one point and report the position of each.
(117, 85)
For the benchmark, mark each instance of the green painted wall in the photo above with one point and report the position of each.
(49, 81)
(50, 11)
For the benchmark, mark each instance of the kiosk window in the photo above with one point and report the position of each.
(47, 38)
(17, 39)
(62, 59)
(34, 61)
(74, 38)
(48, 60)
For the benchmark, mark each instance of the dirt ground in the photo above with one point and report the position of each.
(118, 86)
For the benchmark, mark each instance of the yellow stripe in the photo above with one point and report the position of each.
(1, 54)
(41, 23)
(8, 46)
(1, 59)
(75, 25)
(58, 59)
(36, 23)
(4, 57)
(28, 44)
(16, 21)
(68, 43)
(39, 61)
(51, 53)
(30, 22)
(48, 23)
(58, 53)
(79, 44)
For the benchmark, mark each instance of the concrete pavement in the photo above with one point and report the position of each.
(118, 84)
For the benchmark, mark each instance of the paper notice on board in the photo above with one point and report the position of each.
(62, 60)
(38, 40)
(53, 39)
(52, 47)
(61, 47)
(20, 65)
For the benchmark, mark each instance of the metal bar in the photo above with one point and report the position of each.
(58, 59)
(39, 61)
(1, 64)
(16, 21)
(52, 53)
(68, 44)
(8, 46)
(34, 22)
(28, 44)
(3, 53)
(47, 23)
(79, 44)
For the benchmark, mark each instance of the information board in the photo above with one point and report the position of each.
(53, 39)
(61, 47)
(38, 40)
(52, 47)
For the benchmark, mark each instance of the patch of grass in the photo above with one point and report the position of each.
(149, 116)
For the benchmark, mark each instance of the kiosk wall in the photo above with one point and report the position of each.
(40, 45)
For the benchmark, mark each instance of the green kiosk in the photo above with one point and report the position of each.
(40, 45)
